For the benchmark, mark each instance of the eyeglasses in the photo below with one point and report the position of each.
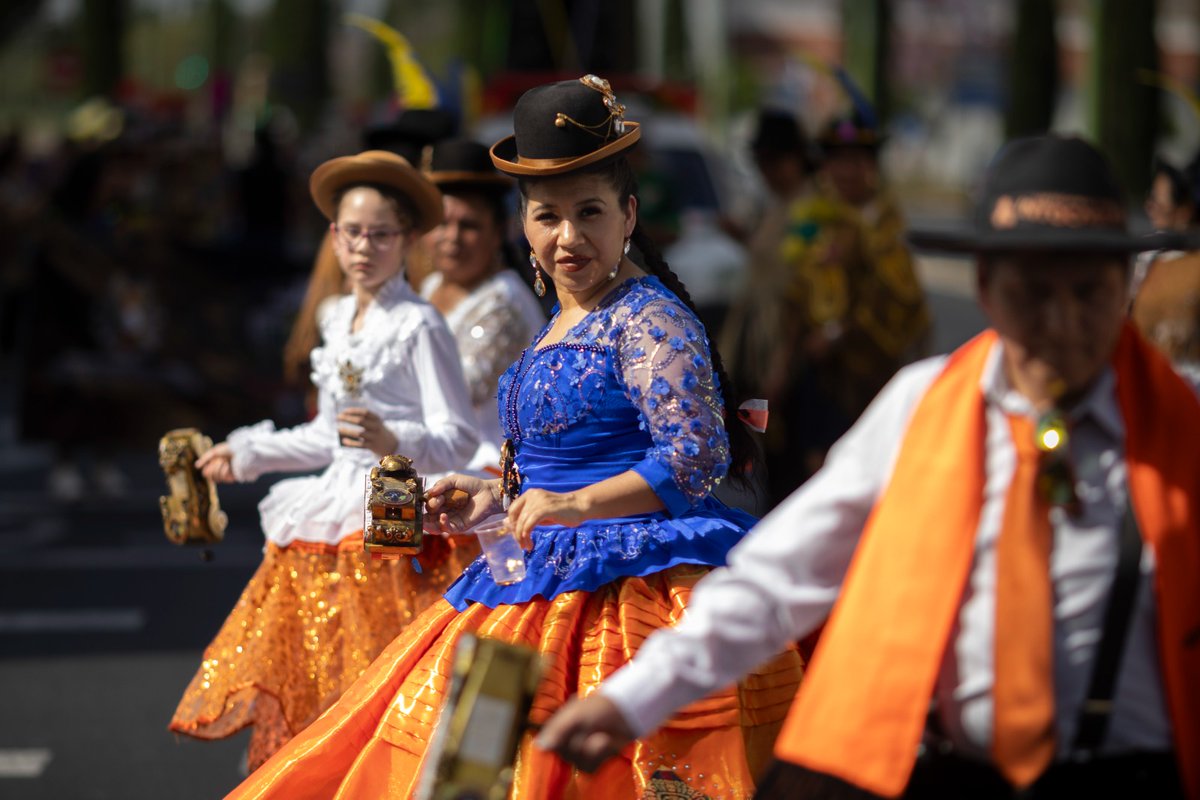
(1056, 477)
(381, 239)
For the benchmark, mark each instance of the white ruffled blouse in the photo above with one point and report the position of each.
(492, 325)
(403, 365)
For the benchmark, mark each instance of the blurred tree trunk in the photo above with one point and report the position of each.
(297, 38)
(1032, 70)
(1125, 112)
(866, 47)
(224, 28)
(568, 36)
(484, 34)
(14, 15)
(103, 34)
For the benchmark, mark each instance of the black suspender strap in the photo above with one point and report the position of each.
(1097, 706)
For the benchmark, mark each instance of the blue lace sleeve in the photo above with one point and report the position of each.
(667, 372)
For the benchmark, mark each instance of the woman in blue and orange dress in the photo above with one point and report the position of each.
(617, 413)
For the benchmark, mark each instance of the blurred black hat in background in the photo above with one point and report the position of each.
(411, 132)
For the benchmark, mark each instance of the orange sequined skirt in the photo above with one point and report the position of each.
(372, 742)
(307, 625)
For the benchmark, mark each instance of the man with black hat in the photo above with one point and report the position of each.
(998, 628)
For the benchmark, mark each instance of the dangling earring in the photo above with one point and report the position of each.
(625, 251)
(539, 287)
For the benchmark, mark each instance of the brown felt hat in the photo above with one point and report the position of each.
(382, 168)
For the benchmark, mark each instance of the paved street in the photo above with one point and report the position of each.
(102, 621)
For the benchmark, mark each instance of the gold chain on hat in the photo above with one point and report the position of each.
(616, 112)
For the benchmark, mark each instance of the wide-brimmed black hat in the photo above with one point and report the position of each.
(565, 126)
(777, 131)
(411, 132)
(377, 167)
(1051, 193)
(465, 165)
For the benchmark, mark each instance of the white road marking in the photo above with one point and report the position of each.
(26, 763)
(73, 620)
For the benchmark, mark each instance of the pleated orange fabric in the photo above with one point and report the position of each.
(309, 622)
(372, 743)
(861, 711)
(1023, 694)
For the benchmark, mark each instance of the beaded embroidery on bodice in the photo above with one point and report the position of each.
(638, 362)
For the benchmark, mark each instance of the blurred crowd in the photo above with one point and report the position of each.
(150, 283)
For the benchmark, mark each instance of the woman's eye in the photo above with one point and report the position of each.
(590, 211)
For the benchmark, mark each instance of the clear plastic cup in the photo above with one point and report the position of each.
(340, 405)
(503, 552)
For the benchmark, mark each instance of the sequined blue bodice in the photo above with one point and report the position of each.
(630, 387)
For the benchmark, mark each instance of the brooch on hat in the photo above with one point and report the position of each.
(615, 121)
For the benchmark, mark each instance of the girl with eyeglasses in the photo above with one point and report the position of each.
(388, 378)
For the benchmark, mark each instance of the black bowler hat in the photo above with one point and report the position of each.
(1047, 193)
(561, 127)
(411, 131)
(464, 165)
(777, 131)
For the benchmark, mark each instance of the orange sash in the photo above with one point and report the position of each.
(862, 705)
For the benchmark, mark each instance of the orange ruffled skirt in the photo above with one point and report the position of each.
(307, 625)
(372, 743)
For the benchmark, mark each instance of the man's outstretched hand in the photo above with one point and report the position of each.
(586, 732)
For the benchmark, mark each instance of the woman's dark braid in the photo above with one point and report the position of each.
(741, 446)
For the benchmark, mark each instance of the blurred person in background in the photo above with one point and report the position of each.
(786, 333)
(1172, 202)
(318, 609)
(892, 324)
(1166, 283)
(99, 371)
(492, 313)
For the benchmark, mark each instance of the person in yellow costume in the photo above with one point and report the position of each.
(788, 332)
(891, 319)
